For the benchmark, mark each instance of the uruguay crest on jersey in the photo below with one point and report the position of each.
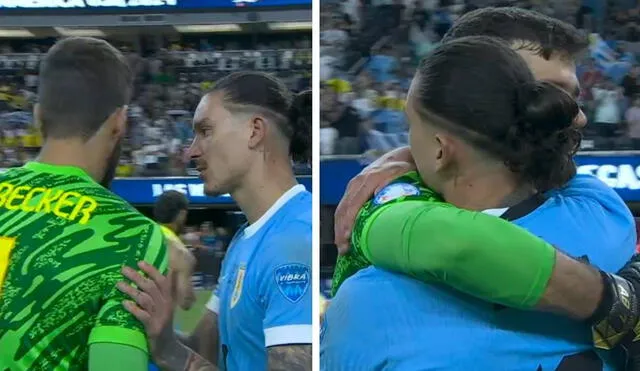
(237, 287)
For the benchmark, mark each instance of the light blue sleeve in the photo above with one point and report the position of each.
(598, 211)
(353, 335)
(213, 304)
(285, 286)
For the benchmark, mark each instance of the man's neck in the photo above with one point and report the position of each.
(261, 189)
(71, 153)
(487, 190)
(172, 227)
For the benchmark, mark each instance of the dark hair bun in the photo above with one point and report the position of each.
(546, 107)
(544, 134)
(301, 118)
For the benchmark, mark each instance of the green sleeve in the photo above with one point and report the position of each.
(478, 254)
(104, 356)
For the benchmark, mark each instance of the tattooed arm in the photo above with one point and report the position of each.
(205, 338)
(198, 352)
(167, 349)
(290, 358)
(281, 358)
(182, 358)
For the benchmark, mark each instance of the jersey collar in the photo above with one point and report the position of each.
(58, 170)
(520, 209)
(288, 195)
(496, 212)
(168, 232)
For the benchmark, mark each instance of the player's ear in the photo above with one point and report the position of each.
(257, 131)
(445, 147)
(119, 122)
(36, 115)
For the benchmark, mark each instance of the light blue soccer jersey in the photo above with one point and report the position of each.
(386, 321)
(263, 297)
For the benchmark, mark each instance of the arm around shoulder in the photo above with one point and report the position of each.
(478, 254)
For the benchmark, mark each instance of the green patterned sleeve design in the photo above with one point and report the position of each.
(114, 324)
(406, 187)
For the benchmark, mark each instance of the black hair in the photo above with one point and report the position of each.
(523, 29)
(292, 114)
(481, 90)
(168, 206)
(83, 80)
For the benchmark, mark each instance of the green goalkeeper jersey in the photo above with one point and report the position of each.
(63, 241)
(406, 187)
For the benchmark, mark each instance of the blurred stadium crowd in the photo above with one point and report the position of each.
(169, 83)
(370, 49)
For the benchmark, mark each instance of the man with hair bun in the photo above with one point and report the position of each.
(248, 130)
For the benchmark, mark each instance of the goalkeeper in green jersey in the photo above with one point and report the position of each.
(64, 237)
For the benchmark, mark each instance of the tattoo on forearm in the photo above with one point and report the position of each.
(197, 363)
(182, 358)
(187, 340)
(290, 358)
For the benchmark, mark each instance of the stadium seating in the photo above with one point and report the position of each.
(169, 85)
(371, 79)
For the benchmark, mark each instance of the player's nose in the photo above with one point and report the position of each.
(581, 120)
(193, 151)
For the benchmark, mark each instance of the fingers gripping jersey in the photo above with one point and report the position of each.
(406, 187)
(69, 239)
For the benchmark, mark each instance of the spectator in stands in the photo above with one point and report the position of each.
(382, 64)
(365, 102)
(347, 122)
(328, 64)
(334, 34)
(633, 122)
(191, 236)
(419, 14)
(630, 83)
(442, 19)
(589, 76)
(208, 238)
(328, 137)
(608, 99)
(421, 36)
(364, 98)
(224, 236)
(390, 117)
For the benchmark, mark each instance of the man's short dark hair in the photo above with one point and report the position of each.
(82, 82)
(169, 205)
(524, 29)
